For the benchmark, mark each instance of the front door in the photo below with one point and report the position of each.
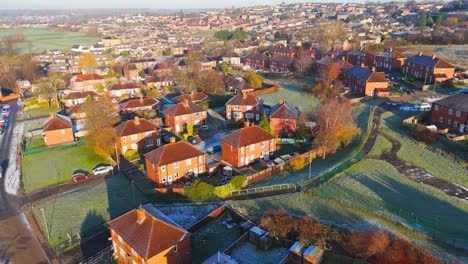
(195, 172)
(257, 117)
(462, 128)
(158, 142)
(169, 179)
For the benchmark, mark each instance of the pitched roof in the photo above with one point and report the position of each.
(247, 136)
(426, 60)
(184, 109)
(194, 97)
(78, 95)
(173, 152)
(149, 237)
(282, 59)
(284, 110)
(456, 101)
(122, 86)
(391, 53)
(132, 127)
(366, 75)
(240, 99)
(88, 77)
(138, 102)
(230, 55)
(257, 56)
(57, 122)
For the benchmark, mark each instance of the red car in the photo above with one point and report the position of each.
(80, 176)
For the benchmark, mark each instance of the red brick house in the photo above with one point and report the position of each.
(130, 72)
(137, 134)
(174, 161)
(146, 235)
(256, 60)
(156, 81)
(58, 130)
(180, 115)
(390, 59)
(281, 50)
(247, 144)
(429, 68)
(283, 119)
(327, 64)
(244, 106)
(123, 89)
(78, 98)
(365, 82)
(361, 57)
(195, 97)
(138, 104)
(451, 112)
(281, 63)
(86, 82)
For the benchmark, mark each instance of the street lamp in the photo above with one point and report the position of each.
(45, 223)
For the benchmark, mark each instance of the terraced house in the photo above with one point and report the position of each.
(138, 104)
(137, 134)
(256, 60)
(146, 235)
(244, 106)
(246, 145)
(366, 82)
(185, 113)
(86, 82)
(359, 57)
(451, 112)
(123, 89)
(390, 59)
(429, 68)
(174, 161)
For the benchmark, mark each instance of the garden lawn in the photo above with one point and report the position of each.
(42, 111)
(85, 210)
(319, 165)
(56, 166)
(375, 184)
(381, 145)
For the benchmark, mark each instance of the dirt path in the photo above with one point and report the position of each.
(414, 173)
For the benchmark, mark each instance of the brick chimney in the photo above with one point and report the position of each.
(141, 215)
(244, 95)
(281, 101)
(390, 49)
(420, 53)
(373, 69)
(433, 56)
(333, 55)
(136, 119)
(343, 58)
(363, 65)
(185, 102)
(172, 140)
(246, 124)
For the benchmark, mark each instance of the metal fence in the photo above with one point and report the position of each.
(270, 188)
(77, 235)
(57, 147)
(106, 256)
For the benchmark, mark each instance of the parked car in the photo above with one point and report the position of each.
(1, 172)
(5, 111)
(102, 169)
(192, 140)
(409, 91)
(4, 122)
(2, 130)
(6, 106)
(80, 176)
(204, 127)
(214, 149)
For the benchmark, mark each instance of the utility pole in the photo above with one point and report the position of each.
(45, 223)
(117, 156)
(310, 163)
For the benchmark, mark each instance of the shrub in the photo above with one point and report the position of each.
(424, 135)
(199, 191)
(205, 104)
(235, 184)
(367, 244)
(185, 136)
(31, 101)
(189, 130)
(131, 154)
(297, 163)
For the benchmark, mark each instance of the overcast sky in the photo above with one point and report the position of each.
(155, 4)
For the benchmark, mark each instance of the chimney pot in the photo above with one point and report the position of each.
(362, 64)
(172, 140)
(390, 49)
(281, 101)
(137, 120)
(373, 69)
(246, 124)
(141, 215)
(186, 102)
(343, 58)
(420, 53)
(433, 56)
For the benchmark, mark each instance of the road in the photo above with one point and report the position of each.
(18, 243)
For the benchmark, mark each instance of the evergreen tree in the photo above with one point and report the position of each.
(439, 19)
(422, 21)
(265, 125)
(430, 21)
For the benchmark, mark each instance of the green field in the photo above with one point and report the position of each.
(292, 93)
(43, 39)
(455, 54)
(376, 185)
(83, 210)
(56, 166)
(42, 110)
(381, 145)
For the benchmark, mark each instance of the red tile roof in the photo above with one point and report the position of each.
(88, 77)
(173, 152)
(123, 86)
(79, 95)
(132, 127)
(284, 111)
(247, 136)
(151, 236)
(138, 102)
(57, 122)
(239, 99)
(184, 109)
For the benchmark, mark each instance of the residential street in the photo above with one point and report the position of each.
(18, 243)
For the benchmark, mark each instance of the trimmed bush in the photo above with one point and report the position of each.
(235, 184)
(131, 154)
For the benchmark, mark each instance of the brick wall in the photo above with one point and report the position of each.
(61, 136)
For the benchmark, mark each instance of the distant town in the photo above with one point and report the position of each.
(290, 133)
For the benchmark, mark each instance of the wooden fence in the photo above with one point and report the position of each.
(8, 97)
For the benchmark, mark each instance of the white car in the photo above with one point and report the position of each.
(102, 169)
(6, 106)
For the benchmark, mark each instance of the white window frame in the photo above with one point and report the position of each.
(436, 107)
(164, 179)
(441, 119)
(450, 111)
(188, 162)
(163, 168)
(236, 107)
(149, 143)
(176, 175)
(455, 124)
(175, 165)
(133, 137)
(458, 113)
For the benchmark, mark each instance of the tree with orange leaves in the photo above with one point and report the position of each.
(329, 85)
(335, 124)
(367, 244)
